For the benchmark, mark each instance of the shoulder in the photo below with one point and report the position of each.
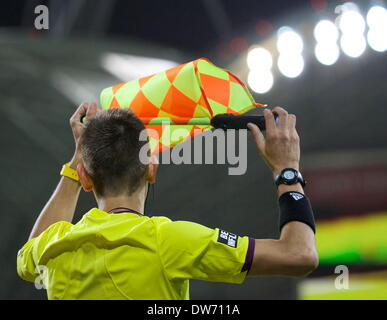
(168, 223)
(160, 222)
(180, 229)
(55, 230)
(160, 219)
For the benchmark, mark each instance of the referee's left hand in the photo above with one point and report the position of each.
(88, 110)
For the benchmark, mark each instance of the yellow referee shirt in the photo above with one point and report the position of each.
(128, 256)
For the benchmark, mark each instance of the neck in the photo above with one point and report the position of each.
(135, 201)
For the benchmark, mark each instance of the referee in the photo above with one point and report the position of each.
(116, 252)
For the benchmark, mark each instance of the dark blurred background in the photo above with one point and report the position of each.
(337, 90)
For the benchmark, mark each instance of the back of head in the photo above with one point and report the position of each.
(110, 147)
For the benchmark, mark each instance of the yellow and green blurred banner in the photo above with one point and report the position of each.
(364, 286)
(355, 240)
(352, 242)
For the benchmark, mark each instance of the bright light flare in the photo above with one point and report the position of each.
(327, 53)
(260, 82)
(326, 31)
(259, 59)
(377, 39)
(289, 41)
(291, 66)
(352, 22)
(377, 34)
(353, 46)
(377, 18)
(127, 67)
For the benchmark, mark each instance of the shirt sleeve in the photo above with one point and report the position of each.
(29, 255)
(189, 250)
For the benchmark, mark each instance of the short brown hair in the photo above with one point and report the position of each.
(110, 147)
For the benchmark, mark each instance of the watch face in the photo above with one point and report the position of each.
(289, 175)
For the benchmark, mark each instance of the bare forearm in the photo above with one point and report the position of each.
(282, 188)
(298, 237)
(294, 254)
(60, 207)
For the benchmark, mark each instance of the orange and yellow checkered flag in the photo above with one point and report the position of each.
(184, 97)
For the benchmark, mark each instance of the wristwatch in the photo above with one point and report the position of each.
(290, 176)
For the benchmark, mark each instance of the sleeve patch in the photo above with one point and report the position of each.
(228, 238)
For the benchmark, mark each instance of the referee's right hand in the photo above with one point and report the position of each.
(280, 147)
(294, 253)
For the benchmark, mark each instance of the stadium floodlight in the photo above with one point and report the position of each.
(290, 65)
(377, 22)
(353, 45)
(377, 39)
(326, 31)
(327, 53)
(352, 22)
(260, 82)
(289, 41)
(377, 18)
(259, 59)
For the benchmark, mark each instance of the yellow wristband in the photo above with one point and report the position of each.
(68, 172)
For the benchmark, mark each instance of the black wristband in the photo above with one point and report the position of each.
(295, 206)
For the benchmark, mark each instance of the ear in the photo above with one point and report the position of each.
(151, 172)
(84, 178)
